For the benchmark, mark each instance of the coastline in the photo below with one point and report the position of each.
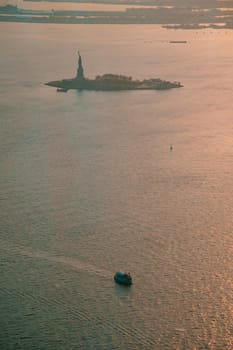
(108, 85)
(167, 17)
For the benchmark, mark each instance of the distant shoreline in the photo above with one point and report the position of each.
(207, 4)
(62, 20)
(168, 17)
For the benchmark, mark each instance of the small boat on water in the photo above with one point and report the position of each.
(178, 41)
(61, 90)
(123, 278)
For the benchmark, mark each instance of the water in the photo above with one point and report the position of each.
(89, 186)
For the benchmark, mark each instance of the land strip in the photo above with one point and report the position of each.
(171, 17)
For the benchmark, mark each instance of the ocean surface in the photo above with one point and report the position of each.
(89, 186)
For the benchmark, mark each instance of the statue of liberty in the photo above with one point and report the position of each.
(80, 72)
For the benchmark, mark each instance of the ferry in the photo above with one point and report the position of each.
(123, 278)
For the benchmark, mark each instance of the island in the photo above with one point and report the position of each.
(110, 82)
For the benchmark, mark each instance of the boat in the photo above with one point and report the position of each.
(123, 278)
(61, 90)
(178, 41)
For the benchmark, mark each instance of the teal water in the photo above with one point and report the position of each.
(89, 186)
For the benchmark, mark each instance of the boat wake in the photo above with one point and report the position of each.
(67, 261)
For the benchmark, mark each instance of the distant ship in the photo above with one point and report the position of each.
(110, 82)
(178, 41)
